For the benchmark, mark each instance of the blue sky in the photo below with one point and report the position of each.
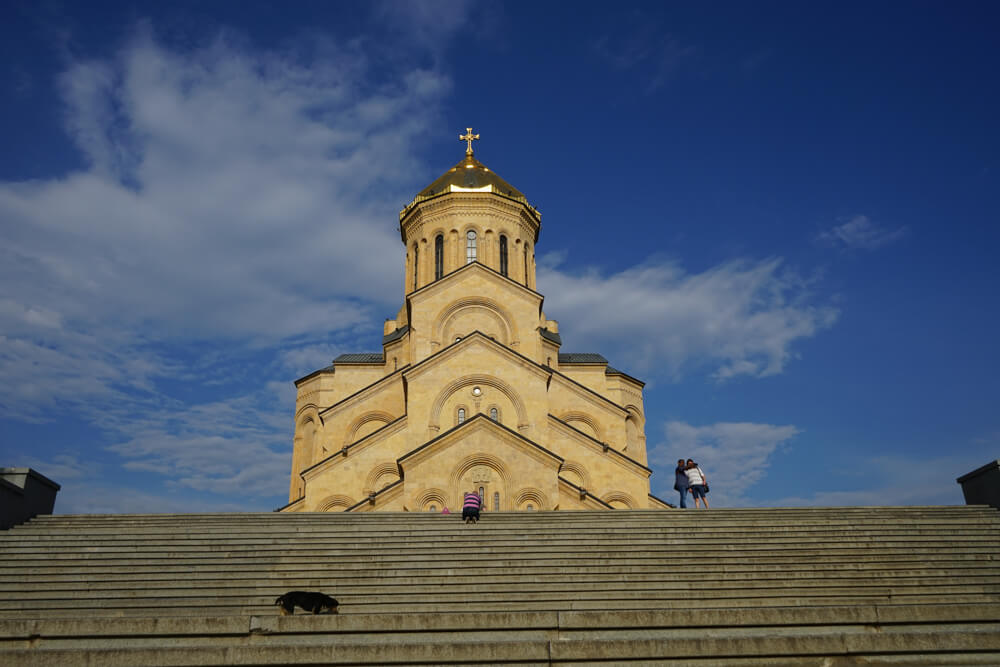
(198, 205)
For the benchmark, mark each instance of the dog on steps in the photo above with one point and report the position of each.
(316, 603)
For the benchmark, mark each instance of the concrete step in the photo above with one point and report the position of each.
(498, 638)
(786, 586)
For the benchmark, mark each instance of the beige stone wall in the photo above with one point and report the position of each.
(565, 437)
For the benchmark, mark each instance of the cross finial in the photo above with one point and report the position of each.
(469, 137)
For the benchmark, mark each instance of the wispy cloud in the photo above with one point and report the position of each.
(737, 318)
(860, 232)
(231, 194)
(236, 203)
(734, 455)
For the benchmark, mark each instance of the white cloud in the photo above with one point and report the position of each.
(739, 318)
(230, 194)
(236, 204)
(861, 232)
(239, 446)
(734, 455)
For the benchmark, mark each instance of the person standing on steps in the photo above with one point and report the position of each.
(681, 483)
(470, 507)
(697, 481)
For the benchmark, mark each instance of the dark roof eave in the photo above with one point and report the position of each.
(328, 369)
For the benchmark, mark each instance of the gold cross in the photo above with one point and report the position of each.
(470, 137)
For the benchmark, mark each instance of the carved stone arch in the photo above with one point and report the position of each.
(500, 315)
(381, 476)
(616, 498)
(485, 380)
(431, 496)
(485, 460)
(530, 496)
(362, 425)
(576, 419)
(308, 436)
(634, 428)
(577, 474)
(335, 503)
(309, 410)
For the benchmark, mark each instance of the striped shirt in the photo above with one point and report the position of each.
(695, 476)
(472, 501)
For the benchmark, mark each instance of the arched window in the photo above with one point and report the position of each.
(461, 415)
(470, 247)
(416, 264)
(494, 415)
(496, 501)
(438, 257)
(482, 492)
(503, 254)
(432, 508)
(530, 507)
(525, 264)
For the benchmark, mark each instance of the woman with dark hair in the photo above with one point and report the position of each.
(681, 483)
(698, 482)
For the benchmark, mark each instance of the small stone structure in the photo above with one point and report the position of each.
(24, 493)
(982, 485)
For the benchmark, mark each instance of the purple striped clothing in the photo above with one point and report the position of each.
(472, 501)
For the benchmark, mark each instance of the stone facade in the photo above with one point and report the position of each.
(470, 390)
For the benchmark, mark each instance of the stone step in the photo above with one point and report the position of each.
(871, 585)
(470, 595)
(681, 580)
(525, 586)
(11, 630)
(478, 532)
(492, 647)
(603, 604)
(481, 531)
(138, 550)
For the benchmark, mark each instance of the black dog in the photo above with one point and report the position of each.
(317, 603)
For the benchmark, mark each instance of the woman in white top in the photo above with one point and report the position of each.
(698, 482)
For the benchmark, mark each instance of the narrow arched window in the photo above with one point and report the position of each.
(470, 247)
(432, 508)
(482, 492)
(438, 257)
(530, 507)
(493, 414)
(461, 415)
(496, 501)
(503, 255)
(416, 265)
(525, 264)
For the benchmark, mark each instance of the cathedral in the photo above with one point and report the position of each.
(470, 391)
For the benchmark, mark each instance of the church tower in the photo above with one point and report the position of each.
(470, 391)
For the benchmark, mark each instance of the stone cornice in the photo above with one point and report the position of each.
(476, 337)
(385, 493)
(468, 267)
(355, 447)
(343, 402)
(452, 203)
(480, 421)
(584, 493)
(585, 391)
(616, 456)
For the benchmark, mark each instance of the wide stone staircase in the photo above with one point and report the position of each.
(825, 586)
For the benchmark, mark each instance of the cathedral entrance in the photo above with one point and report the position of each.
(485, 481)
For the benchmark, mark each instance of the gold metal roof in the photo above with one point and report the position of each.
(469, 175)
